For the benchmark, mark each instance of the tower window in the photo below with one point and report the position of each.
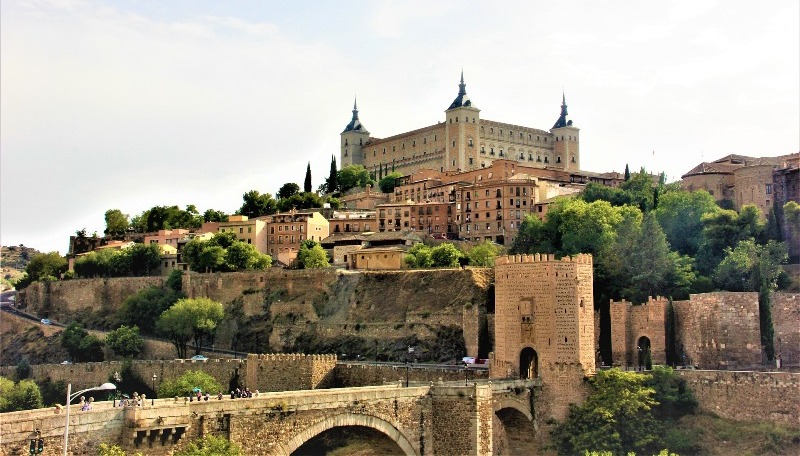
(573, 159)
(558, 159)
(470, 142)
(456, 119)
(361, 141)
(345, 142)
(454, 144)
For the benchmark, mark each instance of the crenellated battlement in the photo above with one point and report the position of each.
(583, 258)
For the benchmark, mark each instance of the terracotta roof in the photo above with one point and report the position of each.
(712, 168)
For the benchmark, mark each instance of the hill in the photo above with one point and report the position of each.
(13, 260)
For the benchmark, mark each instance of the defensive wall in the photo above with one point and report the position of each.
(719, 330)
(270, 372)
(422, 420)
(322, 303)
(629, 324)
(747, 396)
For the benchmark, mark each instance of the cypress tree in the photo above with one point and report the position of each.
(307, 182)
(627, 173)
(655, 198)
(333, 184)
(393, 165)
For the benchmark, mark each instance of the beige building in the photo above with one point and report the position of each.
(286, 231)
(463, 142)
(363, 199)
(378, 258)
(250, 231)
(166, 237)
(739, 179)
(352, 221)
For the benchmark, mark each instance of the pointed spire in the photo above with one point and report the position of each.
(562, 119)
(462, 99)
(355, 124)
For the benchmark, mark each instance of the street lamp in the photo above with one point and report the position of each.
(153, 400)
(71, 396)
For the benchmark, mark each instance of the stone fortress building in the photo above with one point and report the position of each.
(463, 142)
(544, 324)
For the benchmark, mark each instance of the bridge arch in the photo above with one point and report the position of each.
(505, 403)
(349, 419)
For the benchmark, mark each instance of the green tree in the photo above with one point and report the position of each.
(331, 184)
(256, 204)
(187, 382)
(210, 445)
(23, 370)
(287, 190)
(144, 259)
(724, 229)
(532, 237)
(190, 318)
(312, 256)
(353, 176)
(445, 255)
(241, 256)
(483, 254)
(212, 215)
(388, 182)
(116, 222)
(617, 417)
(299, 201)
(639, 190)
(145, 307)
(46, 266)
(81, 346)
(125, 341)
(110, 450)
(307, 180)
(680, 215)
(627, 173)
(24, 395)
(419, 256)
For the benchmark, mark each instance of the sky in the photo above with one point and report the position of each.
(132, 104)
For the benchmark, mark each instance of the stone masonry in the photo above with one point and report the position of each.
(629, 324)
(544, 323)
(719, 330)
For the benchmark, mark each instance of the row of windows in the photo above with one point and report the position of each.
(281, 239)
(403, 145)
(231, 230)
(466, 119)
(285, 228)
(511, 134)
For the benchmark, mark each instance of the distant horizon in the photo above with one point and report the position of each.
(126, 105)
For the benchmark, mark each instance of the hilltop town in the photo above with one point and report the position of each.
(470, 251)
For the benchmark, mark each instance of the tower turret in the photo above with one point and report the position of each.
(567, 143)
(462, 119)
(353, 138)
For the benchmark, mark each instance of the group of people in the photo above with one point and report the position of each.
(239, 393)
(86, 405)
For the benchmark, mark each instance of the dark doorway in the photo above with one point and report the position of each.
(515, 434)
(644, 359)
(528, 363)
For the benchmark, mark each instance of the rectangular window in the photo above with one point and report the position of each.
(249, 229)
(769, 189)
(241, 230)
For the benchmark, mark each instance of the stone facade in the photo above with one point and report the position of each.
(747, 396)
(421, 420)
(462, 142)
(544, 323)
(786, 321)
(719, 330)
(635, 327)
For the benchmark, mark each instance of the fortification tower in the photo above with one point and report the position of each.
(353, 138)
(567, 144)
(462, 121)
(543, 314)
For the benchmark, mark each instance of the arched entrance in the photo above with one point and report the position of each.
(514, 433)
(355, 422)
(643, 353)
(528, 363)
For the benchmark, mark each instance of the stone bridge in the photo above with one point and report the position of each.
(424, 419)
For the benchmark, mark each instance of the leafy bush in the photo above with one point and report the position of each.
(24, 395)
(210, 445)
(183, 385)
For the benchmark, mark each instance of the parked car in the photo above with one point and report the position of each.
(45, 321)
(199, 358)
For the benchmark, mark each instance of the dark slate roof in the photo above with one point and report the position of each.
(562, 119)
(462, 99)
(355, 124)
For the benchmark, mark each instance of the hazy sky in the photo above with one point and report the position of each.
(131, 104)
